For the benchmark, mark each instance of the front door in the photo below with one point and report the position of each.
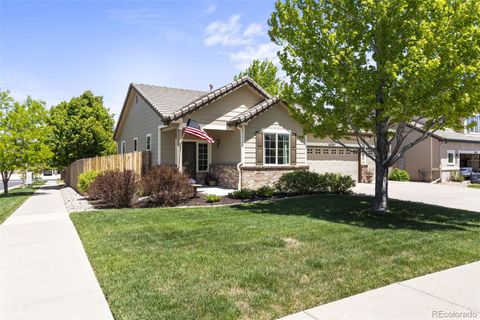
(189, 159)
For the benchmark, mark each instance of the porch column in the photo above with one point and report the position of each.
(178, 147)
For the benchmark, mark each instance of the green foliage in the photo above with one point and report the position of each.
(264, 72)
(307, 182)
(86, 179)
(212, 198)
(82, 128)
(265, 192)
(298, 182)
(398, 175)
(378, 67)
(23, 138)
(243, 194)
(455, 176)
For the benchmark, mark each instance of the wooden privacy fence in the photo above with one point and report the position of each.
(140, 162)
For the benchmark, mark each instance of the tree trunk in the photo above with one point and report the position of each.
(5, 178)
(380, 203)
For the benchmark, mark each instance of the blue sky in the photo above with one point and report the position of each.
(53, 50)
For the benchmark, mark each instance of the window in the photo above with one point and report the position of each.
(148, 142)
(123, 147)
(451, 157)
(276, 148)
(476, 124)
(202, 156)
(135, 144)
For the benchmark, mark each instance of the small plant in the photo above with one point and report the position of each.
(455, 176)
(86, 179)
(211, 179)
(368, 178)
(398, 175)
(164, 185)
(211, 198)
(115, 188)
(242, 194)
(265, 192)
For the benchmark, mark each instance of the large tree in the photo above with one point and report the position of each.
(81, 128)
(384, 67)
(265, 73)
(23, 136)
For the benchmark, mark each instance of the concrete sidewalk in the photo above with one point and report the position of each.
(449, 294)
(44, 271)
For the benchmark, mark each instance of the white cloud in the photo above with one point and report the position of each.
(262, 51)
(229, 33)
(210, 9)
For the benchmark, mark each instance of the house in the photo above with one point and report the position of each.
(256, 138)
(446, 151)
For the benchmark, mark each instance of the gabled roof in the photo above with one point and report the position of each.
(173, 103)
(456, 136)
(254, 111)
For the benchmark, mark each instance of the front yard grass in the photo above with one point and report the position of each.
(475, 186)
(9, 203)
(266, 260)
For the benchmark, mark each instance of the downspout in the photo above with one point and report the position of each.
(242, 155)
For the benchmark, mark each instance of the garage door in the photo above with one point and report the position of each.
(329, 159)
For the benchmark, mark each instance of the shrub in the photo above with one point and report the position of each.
(242, 194)
(115, 188)
(398, 175)
(306, 182)
(166, 186)
(86, 179)
(337, 183)
(265, 192)
(212, 198)
(455, 176)
(298, 182)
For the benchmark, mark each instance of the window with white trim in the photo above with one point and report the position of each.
(135, 144)
(148, 142)
(202, 156)
(123, 147)
(276, 148)
(475, 122)
(451, 157)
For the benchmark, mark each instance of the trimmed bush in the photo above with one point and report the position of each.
(86, 179)
(242, 194)
(115, 188)
(265, 192)
(212, 198)
(166, 186)
(398, 175)
(298, 182)
(307, 182)
(455, 176)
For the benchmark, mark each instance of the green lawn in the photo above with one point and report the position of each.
(9, 203)
(265, 260)
(475, 186)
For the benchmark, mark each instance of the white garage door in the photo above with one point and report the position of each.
(337, 160)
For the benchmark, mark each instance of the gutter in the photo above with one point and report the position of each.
(242, 155)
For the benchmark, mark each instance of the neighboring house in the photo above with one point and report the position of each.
(256, 138)
(435, 158)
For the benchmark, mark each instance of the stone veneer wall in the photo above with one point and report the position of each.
(227, 175)
(257, 176)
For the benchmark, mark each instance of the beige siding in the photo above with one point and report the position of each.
(228, 151)
(216, 114)
(277, 118)
(417, 161)
(138, 121)
(459, 148)
(168, 146)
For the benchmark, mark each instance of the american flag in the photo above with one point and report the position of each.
(194, 129)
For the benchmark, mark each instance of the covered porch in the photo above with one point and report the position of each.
(197, 158)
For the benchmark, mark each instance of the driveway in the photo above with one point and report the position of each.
(436, 194)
